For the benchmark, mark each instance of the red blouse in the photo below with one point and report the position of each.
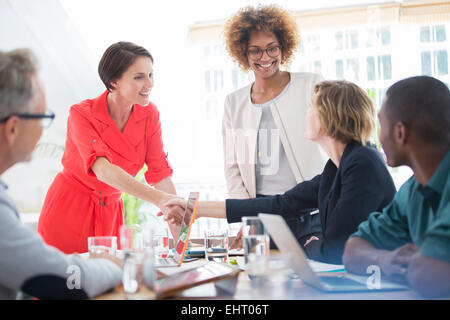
(92, 133)
(78, 205)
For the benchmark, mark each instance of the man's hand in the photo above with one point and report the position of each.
(396, 262)
(106, 256)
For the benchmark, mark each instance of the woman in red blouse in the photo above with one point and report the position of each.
(109, 139)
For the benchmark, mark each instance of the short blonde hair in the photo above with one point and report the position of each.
(346, 111)
(270, 18)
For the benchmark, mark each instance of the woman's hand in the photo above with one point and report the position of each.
(237, 242)
(173, 210)
(310, 240)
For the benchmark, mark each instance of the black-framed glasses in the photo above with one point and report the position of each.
(256, 53)
(46, 118)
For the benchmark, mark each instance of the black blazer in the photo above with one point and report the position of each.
(345, 197)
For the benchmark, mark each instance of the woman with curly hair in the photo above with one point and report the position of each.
(263, 123)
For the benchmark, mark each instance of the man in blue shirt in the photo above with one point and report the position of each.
(410, 238)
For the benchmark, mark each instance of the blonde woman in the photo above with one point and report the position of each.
(354, 182)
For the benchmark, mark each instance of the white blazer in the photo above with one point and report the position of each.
(240, 131)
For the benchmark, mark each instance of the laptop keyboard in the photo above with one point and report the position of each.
(166, 262)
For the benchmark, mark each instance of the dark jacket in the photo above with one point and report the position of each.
(345, 197)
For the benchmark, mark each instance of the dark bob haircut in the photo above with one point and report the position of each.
(117, 59)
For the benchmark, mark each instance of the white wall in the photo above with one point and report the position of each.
(68, 76)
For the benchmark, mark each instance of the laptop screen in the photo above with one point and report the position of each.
(186, 224)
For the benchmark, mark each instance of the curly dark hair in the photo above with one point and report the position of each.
(269, 18)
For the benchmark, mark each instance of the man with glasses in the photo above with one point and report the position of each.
(46, 119)
(26, 262)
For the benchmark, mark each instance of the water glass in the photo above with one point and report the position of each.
(270, 276)
(138, 264)
(161, 243)
(133, 270)
(216, 245)
(103, 244)
(136, 237)
(256, 239)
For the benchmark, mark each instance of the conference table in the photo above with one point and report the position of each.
(288, 288)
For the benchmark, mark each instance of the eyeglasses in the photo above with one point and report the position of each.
(46, 119)
(256, 53)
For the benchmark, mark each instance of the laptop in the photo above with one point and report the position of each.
(287, 243)
(183, 236)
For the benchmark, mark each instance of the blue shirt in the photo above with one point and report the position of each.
(42, 271)
(418, 214)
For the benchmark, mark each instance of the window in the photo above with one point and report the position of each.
(339, 69)
(313, 43)
(317, 67)
(434, 63)
(351, 39)
(425, 34)
(439, 33)
(435, 34)
(437, 66)
(352, 69)
(206, 51)
(339, 40)
(372, 92)
(384, 36)
(426, 63)
(218, 80)
(370, 68)
(441, 62)
(208, 81)
(382, 65)
(377, 95)
(381, 94)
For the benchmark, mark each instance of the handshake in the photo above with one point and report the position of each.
(173, 208)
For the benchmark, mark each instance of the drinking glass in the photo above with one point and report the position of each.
(103, 244)
(256, 240)
(133, 237)
(161, 243)
(138, 266)
(216, 245)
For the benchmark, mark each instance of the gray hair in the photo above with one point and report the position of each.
(17, 89)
